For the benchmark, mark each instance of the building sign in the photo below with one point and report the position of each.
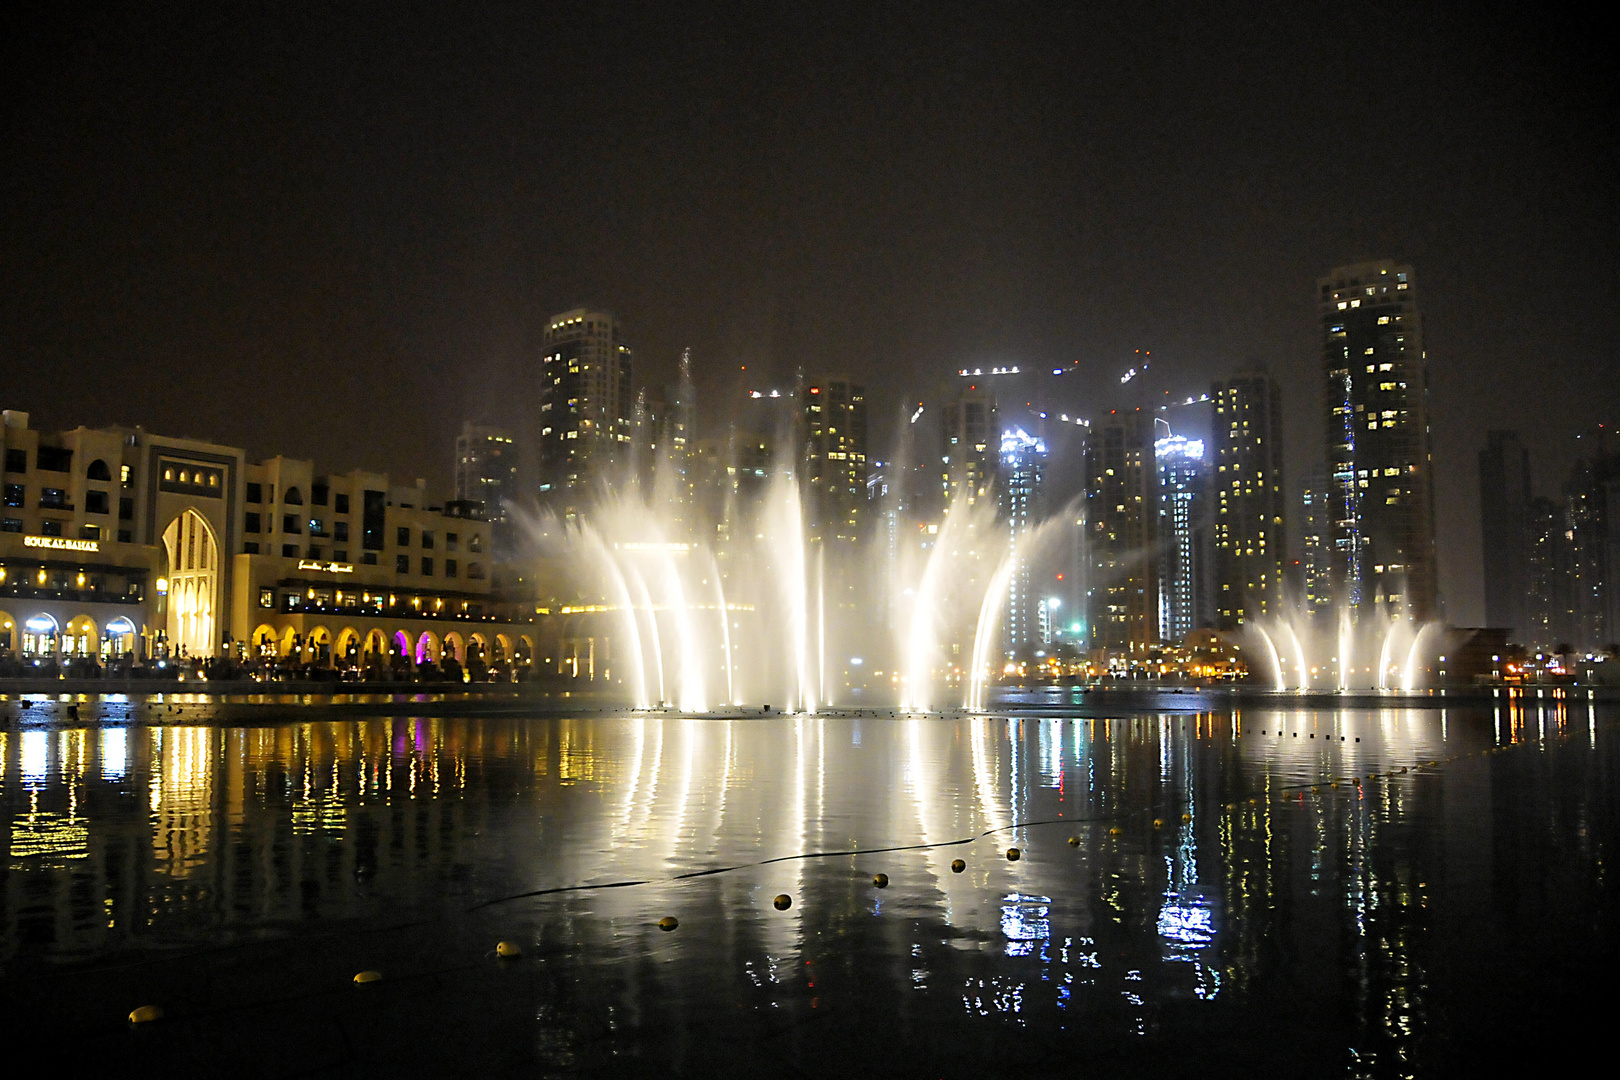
(326, 567)
(61, 543)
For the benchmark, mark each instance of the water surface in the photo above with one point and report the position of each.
(1395, 892)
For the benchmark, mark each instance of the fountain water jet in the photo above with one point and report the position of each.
(1276, 661)
(989, 623)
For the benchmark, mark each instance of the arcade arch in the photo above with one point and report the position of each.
(265, 641)
(118, 639)
(83, 637)
(348, 645)
(428, 650)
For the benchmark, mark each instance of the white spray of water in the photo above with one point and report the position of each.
(1299, 654)
(1414, 657)
(985, 633)
(725, 628)
(1346, 647)
(1276, 661)
(621, 597)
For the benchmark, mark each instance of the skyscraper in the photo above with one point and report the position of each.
(486, 473)
(971, 439)
(586, 407)
(1549, 605)
(1023, 467)
(1315, 545)
(1376, 387)
(1592, 519)
(835, 459)
(1504, 503)
(1183, 533)
(486, 467)
(1246, 502)
(666, 422)
(1122, 511)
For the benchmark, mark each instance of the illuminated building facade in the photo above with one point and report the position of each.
(118, 543)
(1592, 533)
(1183, 534)
(835, 456)
(1247, 501)
(486, 468)
(1375, 383)
(1316, 564)
(486, 480)
(1549, 606)
(970, 445)
(1023, 468)
(1122, 518)
(1504, 506)
(586, 404)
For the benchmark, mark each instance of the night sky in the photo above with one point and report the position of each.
(335, 231)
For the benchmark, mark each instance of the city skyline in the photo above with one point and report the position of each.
(349, 244)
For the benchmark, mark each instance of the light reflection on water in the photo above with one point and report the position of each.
(1312, 859)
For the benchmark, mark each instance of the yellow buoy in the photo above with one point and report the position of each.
(508, 948)
(1074, 841)
(368, 977)
(668, 922)
(957, 866)
(1013, 854)
(782, 902)
(146, 1014)
(1186, 818)
(1115, 831)
(880, 880)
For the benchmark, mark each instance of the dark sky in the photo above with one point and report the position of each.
(334, 231)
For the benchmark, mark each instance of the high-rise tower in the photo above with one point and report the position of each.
(835, 459)
(1247, 498)
(1122, 511)
(1375, 399)
(486, 473)
(586, 407)
(1023, 468)
(1183, 533)
(971, 444)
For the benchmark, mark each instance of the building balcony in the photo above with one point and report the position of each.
(79, 596)
(396, 611)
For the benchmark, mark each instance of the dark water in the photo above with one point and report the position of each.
(1226, 911)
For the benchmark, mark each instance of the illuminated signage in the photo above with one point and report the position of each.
(326, 567)
(60, 543)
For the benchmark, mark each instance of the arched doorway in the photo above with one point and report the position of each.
(83, 638)
(40, 636)
(348, 646)
(193, 583)
(119, 639)
(266, 643)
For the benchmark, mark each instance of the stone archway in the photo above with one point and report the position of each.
(348, 646)
(193, 584)
(82, 638)
(266, 642)
(118, 639)
(427, 648)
